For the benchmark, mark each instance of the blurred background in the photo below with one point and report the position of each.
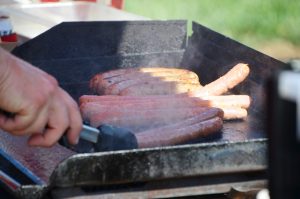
(270, 26)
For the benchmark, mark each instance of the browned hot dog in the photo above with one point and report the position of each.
(189, 121)
(117, 88)
(117, 98)
(161, 75)
(116, 72)
(159, 88)
(241, 101)
(178, 134)
(134, 119)
(99, 82)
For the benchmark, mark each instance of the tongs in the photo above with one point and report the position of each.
(109, 138)
(89, 133)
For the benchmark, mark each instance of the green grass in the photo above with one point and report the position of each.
(249, 21)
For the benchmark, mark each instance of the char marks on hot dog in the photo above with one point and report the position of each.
(100, 82)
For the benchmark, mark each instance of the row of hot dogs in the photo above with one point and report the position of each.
(164, 106)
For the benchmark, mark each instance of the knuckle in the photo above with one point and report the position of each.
(52, 86)
(39, 101)
(53, 81)
(41, 98)
(73, 105)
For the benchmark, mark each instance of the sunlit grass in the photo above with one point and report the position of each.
(249, 21)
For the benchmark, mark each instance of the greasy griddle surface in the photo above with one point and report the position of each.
(38, 163)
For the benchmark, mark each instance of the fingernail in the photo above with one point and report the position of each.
(76, 141)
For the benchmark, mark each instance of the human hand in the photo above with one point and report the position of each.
(38, 106)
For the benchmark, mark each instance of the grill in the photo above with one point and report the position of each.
(74, 51)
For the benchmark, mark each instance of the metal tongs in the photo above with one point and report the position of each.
(109, 138)
(89, 133)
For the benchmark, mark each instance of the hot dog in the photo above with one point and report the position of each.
(117, 88)
(178, 134)
(137, 85)
(242, 101)
(134, 119)
(162, 75)
(164, 106)
(159, 88)
(100, 81)
(220, 86)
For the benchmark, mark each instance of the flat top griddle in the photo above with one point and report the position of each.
(73, 52)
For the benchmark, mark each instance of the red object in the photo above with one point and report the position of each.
(117, 4)
(9, 38)
(44, 1)
(50, 0)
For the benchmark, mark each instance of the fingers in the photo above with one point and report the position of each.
(37, 125)
(46, 122)
(18, 123)
(63, 117)
(57, 124)
(75, 120)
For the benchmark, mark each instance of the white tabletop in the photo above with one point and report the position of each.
(30, 20)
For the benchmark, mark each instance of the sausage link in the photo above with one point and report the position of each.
(158, 88)
(115, 89)
(168, 101)
(234, 113)
(169, 135)
(99, 82)
(220, 86)
(163, 76)
(134, 119)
